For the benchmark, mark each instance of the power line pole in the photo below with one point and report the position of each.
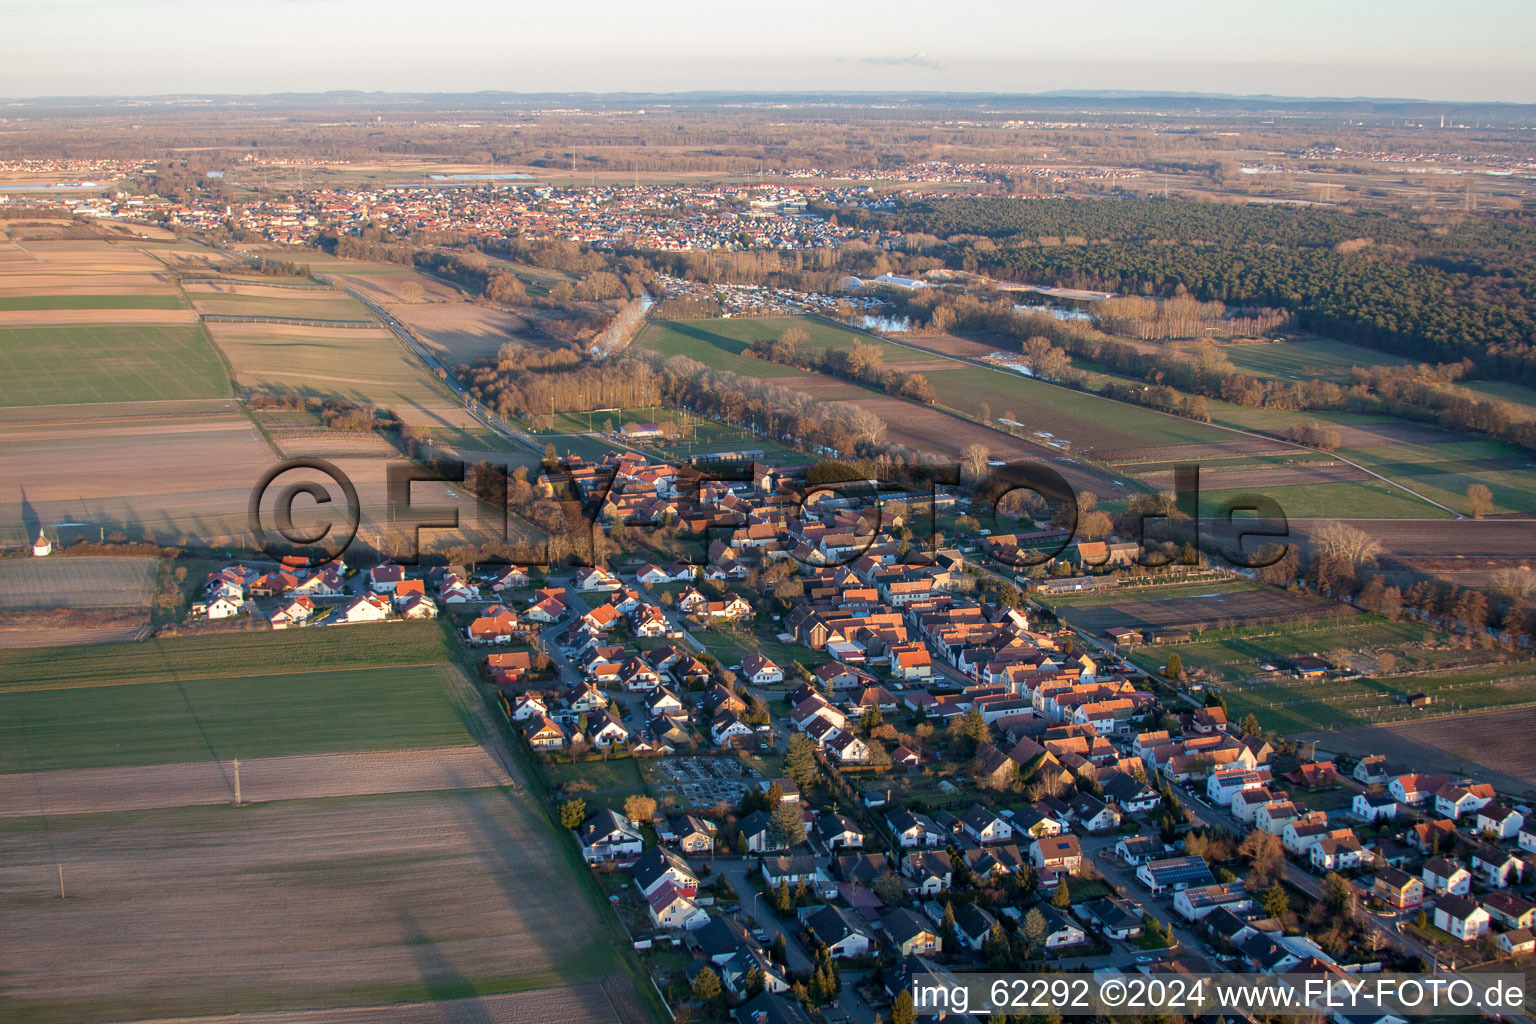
(237, 782)
(61, 881)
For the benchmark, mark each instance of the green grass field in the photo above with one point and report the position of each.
(108, 363)
(730, 648)
(1090, 423)
(16, 303)
(612, 419)
(250, 716)
(1445, 471)
(720, 343)
(1344, 704)
(1367, 499)
(1502, 391)
(1315, 357)
(228, 655)
(1237, 653)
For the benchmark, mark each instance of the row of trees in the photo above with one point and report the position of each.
(863, 364)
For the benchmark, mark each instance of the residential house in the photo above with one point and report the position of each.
(1341, 852)
(1453, 801)
(1510, 910)
(760, 671)
(909, 934)
(837, 830)
(1174, 873)
(1461, 917)
(659, 866)
(1060, 930)
(1115, 918)
(1516, 942)
(609, 835)
(1446, 876)
(985, 825)
(972, 925)
(841, 931)
(1499, 820)
(1397, 888)
(1373, 806)
(670, 910)
(912, 829)
(929, 871)
(1062, 853)
(1196, 901)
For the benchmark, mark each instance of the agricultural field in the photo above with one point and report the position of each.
(1297, 708)
(224, 656)
(267, 715)
(1441, 466)
(1095, 427)
(1191, 607)
(362, 780)
(130, 468)
(366, 366)
(86, 363)
(291, 303)
(719, 344)
(1457, 744)
(30, 303)
(462, 332)
(335, 902)
(1313, 358)
(1502, 391)
(32, 583)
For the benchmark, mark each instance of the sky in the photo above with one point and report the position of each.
(1470, 50)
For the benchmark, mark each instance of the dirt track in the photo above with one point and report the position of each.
(96, 790)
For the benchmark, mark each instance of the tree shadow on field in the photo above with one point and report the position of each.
(441, 979)
(499, 849)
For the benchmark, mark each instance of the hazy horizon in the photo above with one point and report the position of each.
(1409, 49)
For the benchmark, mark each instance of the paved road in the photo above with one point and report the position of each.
(754, 905)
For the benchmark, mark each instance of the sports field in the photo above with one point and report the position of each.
(1192, 607)
(108, 363)
(1291, 707)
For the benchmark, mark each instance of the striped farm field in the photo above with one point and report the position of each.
(22, 303)
(89, 363)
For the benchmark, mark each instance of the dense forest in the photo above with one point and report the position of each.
(1439, 288)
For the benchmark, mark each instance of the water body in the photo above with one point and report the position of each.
(504, 176)
(883, 324)
(86, 186)
(1052, 310)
